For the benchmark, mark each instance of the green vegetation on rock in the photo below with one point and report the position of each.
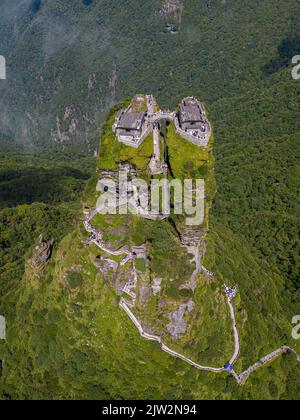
(70, 339)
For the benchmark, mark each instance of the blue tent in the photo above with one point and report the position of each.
(229, 367)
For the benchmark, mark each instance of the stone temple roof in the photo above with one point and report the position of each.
(131, 120)
(190, 111)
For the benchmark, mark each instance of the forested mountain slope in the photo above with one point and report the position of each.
(68, 62)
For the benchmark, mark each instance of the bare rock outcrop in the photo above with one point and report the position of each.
(42, 253)
(172, 11)
(177, 323)
(91, 82)
(113, 80)
(156, 286)
(173, 7)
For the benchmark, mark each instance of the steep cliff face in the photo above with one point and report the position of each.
(155, 248)
(88, 55)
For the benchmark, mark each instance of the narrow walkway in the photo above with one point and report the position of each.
(123, 304)
(242, 378)
(235, 333)
(156, 166)
(156, 145)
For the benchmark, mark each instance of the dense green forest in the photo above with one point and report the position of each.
(39, 195)
(65, 338)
